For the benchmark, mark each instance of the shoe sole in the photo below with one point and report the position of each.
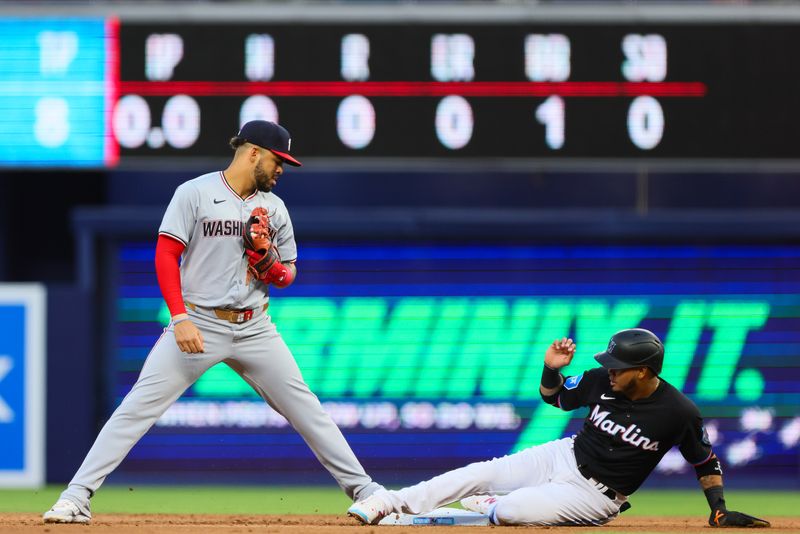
(358, 517)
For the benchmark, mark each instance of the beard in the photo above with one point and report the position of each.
(628, 389)
(262, 180)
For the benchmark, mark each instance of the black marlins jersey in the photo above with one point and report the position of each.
(622, 441)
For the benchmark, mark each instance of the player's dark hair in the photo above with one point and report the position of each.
(237, 141)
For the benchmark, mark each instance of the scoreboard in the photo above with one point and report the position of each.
(479, 91)
(103, 91)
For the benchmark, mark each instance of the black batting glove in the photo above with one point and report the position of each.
(727, 518)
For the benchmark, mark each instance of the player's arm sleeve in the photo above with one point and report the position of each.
(574, 392)
(168, 272)
(696, 447)
(181, 214)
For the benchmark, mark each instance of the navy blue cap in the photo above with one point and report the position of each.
(271, 136)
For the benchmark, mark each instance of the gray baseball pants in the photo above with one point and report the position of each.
(257, 352)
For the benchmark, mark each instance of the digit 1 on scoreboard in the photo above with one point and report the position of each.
(550, 113)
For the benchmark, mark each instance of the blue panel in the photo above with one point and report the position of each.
(751, 407)
(12, 387)
(53, 92)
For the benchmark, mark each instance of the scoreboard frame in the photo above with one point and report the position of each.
(602, 149)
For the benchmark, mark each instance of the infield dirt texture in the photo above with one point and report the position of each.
(145, 510)
(325, 524)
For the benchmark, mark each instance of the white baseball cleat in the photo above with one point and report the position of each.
(368, 490)
(370, 510)
(65, 511)
(479, 503)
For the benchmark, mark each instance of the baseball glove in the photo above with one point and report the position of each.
(724, 518)
(256, 232)
(261, 253)
(260, 265)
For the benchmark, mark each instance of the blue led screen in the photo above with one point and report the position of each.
(429, 357)
(57, 84)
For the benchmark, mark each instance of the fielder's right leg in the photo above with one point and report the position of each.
(264, 361)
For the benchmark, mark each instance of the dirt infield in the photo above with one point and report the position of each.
(326, 524)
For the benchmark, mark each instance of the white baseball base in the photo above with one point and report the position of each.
(438, 517)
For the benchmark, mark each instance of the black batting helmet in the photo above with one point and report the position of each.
(635, 347)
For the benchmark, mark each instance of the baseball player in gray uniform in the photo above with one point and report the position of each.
(236, 239)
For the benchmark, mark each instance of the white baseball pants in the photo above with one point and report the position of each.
(540, 485)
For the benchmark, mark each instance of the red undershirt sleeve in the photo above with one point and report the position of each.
(168, 254)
